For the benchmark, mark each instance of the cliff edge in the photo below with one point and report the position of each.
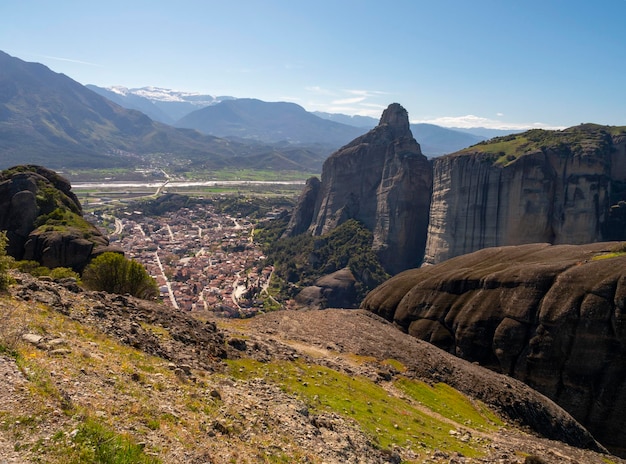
(536, 187)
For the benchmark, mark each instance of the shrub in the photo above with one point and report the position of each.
(59, 273)
(96, 442)
(37, 270)
(32, 267)
(113, 273)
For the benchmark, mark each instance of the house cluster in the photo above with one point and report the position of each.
(200, 259)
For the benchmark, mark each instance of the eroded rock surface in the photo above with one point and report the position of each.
(536, 187)
(336, 290)
(382, 180)
(302, 215)
(43, 219)
(554, 187)
(551, 316)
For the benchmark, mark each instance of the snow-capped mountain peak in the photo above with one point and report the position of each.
(163, 105)
(119, 89)
(159, 94)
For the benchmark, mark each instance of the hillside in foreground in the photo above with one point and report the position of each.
(92, 377)
(549, 315)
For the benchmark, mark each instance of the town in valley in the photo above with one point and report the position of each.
(201, 259)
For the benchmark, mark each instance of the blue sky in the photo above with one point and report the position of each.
(494, 63)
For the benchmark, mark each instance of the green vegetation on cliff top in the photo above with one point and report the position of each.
(582, 140)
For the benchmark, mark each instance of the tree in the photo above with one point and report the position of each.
(113, 273)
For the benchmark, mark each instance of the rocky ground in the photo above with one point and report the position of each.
(186, 390)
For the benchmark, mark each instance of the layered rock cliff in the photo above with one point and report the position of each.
(551, 316)
(43, 219)
(536, 187)
(382, 180)
(539, 186)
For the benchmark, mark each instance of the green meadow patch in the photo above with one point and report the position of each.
(402, 420)
(445, 400)
(95, 442)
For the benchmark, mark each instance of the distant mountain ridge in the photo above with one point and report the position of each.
(487, 133)
(366, 122)
(162, 105)
(48, 119)
(271, 122)
(268, 122)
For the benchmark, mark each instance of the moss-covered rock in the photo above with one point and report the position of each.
(43, 219)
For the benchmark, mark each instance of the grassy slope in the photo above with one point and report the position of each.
(97, 400)
(100, 392)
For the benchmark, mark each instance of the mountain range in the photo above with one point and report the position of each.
(273, 122)
(47, 118)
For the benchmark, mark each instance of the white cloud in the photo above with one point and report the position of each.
(319, 90)
(366, 93)
(70, 60)
(470, 120)
(348, 101)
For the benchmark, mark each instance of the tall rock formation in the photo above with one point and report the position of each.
(302, 215)
(539, 186)
(551, 316)
(43, 219)
(382, 180)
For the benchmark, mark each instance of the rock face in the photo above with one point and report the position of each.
(537, 187)
(43, 219)
(302, 215)
(336, 290)
(551, 316)
(554, 187)
(382, 180)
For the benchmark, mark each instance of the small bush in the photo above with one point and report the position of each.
(113, 273)
(59, 273)
(32, 267)
(95, 442)
(37, 270)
